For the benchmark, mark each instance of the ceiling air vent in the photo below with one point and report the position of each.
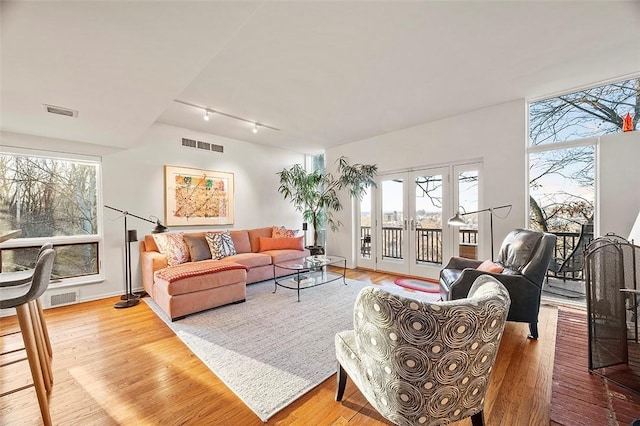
(206, 146)
(52, 109)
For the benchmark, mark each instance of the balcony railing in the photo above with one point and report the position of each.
(429, 245)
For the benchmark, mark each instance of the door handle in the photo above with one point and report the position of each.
(413, 224)
(405, 224)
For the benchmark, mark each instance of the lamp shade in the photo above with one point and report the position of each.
(457, 220)
(132, 235)
(160, 228)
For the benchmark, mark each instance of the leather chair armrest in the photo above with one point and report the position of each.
(462, 262)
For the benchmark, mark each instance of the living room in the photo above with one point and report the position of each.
(339, 79)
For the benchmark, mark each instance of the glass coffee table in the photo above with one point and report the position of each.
(309, 273)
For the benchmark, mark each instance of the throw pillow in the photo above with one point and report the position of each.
(220, 244)
(281, 243)
(173, 246)
(489, 266)
(282, 232)
(198, 247)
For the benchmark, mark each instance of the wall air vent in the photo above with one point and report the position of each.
(189, 142)
(64, 298)
(67, 112)
(206, 146)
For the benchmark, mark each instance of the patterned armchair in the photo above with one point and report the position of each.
(421, 362)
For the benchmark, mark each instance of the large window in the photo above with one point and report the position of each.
(50, 200)
(563, 134)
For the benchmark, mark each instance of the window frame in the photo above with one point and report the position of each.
(98, 237)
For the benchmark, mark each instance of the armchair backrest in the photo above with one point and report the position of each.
(425, 360)
(527, 252)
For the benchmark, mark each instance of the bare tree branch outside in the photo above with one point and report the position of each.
(561, 181)
(49, 198)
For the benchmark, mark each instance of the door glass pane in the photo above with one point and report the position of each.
(392, 218)
(365, 225)
(428, 219)
(468, 201)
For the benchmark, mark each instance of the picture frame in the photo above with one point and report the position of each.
(195, 197)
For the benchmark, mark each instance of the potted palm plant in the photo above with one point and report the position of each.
(315, 194)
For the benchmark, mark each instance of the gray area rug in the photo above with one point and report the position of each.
(271, 349)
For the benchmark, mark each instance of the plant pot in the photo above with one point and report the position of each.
(315, 250)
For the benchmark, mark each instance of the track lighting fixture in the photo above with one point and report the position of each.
(235, 117)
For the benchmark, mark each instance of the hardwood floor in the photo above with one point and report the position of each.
(125, 366)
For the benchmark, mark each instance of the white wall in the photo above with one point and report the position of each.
(619, 183)
(494, 135)
(133, 180)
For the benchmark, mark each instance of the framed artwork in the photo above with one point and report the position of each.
(197, 197)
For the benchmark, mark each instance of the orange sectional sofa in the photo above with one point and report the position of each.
(195, 286)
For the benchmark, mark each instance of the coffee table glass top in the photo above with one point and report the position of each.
(311, 262)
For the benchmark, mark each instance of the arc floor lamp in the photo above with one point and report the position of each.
(131, 235)
(457, 220)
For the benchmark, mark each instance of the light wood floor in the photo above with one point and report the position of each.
(126, 367)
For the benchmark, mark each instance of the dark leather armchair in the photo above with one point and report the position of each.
(525, 257)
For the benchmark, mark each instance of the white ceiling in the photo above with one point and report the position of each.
(325, 73)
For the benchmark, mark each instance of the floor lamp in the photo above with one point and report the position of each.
(130, 235)
(459, 221)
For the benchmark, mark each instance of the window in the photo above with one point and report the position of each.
(50, 200)
(563, 134)
(588, 113)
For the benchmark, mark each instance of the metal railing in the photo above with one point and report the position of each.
(428, 242)
(565, 243)
(429, 245)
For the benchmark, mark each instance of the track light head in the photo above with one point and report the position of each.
(206, 115)
(255, 128)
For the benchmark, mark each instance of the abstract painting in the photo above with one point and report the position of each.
(197, 197)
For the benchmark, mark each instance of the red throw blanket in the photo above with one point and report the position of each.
(193, 269)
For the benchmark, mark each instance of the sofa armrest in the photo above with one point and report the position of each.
(151, 261)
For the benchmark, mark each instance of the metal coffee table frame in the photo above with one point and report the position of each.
(311, 264)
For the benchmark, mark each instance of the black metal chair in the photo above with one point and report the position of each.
(574, 262)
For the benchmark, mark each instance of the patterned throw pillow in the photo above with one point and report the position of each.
(220, 244)
(173, 246)
(282, 232)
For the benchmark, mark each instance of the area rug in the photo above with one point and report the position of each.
(271, 349)
(418, 285)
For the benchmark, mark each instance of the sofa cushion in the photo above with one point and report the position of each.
(280, 256)
(198, 246)
(203, 275)
(255, 234)
(241, 241)
(220, 244)
(173, 246)
(281, 244)
(252, 260)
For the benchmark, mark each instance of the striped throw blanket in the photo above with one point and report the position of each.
(194, 269)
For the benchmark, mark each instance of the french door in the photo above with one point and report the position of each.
(403, 222)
